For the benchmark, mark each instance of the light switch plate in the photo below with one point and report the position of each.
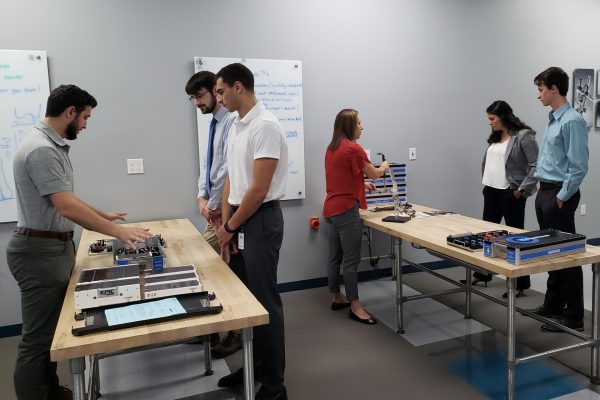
(135, 166)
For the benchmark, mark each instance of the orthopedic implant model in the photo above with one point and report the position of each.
(398, 207)
(583, 95)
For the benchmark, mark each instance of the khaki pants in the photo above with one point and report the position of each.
(210, 234)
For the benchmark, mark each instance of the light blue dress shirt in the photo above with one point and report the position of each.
(218, 170)
(564, 154)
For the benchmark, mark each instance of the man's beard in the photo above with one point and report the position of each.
(211, 108)
(71, 131)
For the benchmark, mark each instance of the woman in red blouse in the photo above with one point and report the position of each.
(346, 165)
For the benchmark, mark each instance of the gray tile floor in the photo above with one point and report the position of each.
(446, 335)
(163, 373)
(328, 355)
(425, 320)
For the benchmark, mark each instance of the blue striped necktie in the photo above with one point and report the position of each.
(209, 154)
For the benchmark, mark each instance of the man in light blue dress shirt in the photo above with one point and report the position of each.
(200, 87)
(562, 164)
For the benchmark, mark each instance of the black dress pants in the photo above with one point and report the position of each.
(498, 203)
(564, 287)
(263, 235)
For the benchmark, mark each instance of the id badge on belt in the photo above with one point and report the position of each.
(241, 238)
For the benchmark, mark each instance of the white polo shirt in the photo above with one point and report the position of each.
(257, 135)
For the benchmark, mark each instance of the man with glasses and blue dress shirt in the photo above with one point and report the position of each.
(212, 178)
(561, 166)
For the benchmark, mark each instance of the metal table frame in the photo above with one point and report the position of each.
(77, 367)
(511, 360)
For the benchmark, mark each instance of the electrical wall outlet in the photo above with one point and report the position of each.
(583, 209)
(135, 166)
(412, 153)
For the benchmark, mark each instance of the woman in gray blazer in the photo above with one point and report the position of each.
(508, 167)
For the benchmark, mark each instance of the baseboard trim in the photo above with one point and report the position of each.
(362, 276)
(10, 330)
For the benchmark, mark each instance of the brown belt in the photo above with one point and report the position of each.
(64, 236)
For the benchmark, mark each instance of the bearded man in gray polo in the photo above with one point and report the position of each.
(41, 253)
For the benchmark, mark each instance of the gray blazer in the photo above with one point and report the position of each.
(520, 160)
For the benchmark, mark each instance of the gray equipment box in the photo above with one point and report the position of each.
(149, 255)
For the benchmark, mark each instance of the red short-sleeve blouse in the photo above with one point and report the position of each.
(344, 178)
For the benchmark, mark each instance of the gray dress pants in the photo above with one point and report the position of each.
(257, 262)
(345, 233)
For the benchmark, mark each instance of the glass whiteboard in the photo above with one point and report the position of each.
(24, 91)
(278, 85)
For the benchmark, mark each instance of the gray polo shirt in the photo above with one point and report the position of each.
(42, 167)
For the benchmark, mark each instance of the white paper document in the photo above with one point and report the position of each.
(144, 311)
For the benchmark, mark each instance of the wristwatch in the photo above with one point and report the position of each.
(522, 191)
(227, 229)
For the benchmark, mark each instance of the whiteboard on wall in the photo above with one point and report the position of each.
(278, 85)
(24, 91)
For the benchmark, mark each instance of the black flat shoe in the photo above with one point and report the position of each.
(368, 321)
(520, 293)
(339, 306)
(474, 282)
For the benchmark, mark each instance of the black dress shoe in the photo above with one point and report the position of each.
(236, 379)
(575, 324)
(231, 343)
(267, 395)
(544, 311)
(339, 306)
(368, 321)
(232, 380)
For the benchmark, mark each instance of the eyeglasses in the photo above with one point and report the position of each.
(197, 96)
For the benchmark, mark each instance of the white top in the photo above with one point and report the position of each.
(257, 135)
(494, 173)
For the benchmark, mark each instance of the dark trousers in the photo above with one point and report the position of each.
(345, 235)
(499, 203)
(263, 234)
(42, 267)
(564, 287)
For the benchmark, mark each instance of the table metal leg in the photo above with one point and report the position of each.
(398, 268)
(511, 334)
(248, 364)
(208, 371)
(94, 377)
(77, 367)
(393, 253)
(595, 370)
(468, 293)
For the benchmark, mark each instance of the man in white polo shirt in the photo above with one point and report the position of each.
(252, 230)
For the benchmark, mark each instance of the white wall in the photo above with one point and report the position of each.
(420, 72)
